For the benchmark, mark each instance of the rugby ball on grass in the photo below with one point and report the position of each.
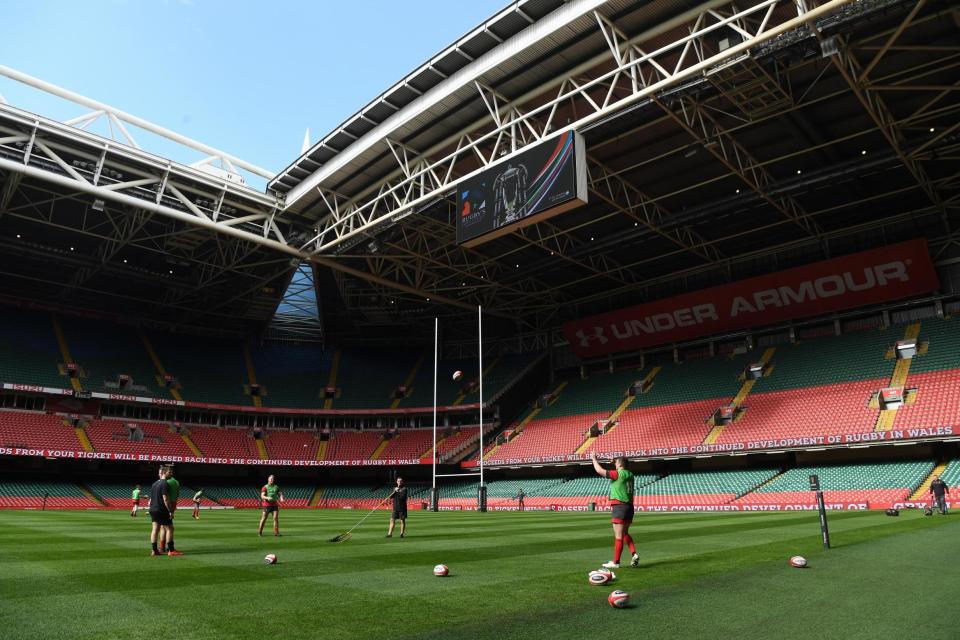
(798, 562)
(441, 570)
(609, 573)
(598, 578)
(457, 375)
(270, 559)
(618, 599)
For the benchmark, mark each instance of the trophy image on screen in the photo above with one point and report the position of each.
(510, 195)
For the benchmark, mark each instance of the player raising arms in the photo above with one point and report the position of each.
(270, 499)
(621, 501)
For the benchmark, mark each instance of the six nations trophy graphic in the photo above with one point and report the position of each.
(510, 195)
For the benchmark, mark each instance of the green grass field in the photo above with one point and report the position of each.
(88, 575)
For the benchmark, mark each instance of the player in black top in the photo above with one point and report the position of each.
(161, 511)
(939, 490)
(399, 496)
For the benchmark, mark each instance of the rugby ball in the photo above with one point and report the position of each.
(270, 559)
(598, 578)
(441, 570)
(798, 562)
(619, 599)
(609, 573)
(457, 375)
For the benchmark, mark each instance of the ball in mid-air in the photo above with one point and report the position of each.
(270, 558)
(457, 375)
(798, 562)
(619, 599)
(441, 570)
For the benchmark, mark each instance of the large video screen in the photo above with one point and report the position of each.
(539, 182)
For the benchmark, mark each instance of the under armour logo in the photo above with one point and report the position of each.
(585, 338)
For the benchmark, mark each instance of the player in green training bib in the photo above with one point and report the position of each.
(135, 496)
(621, 506)
(270, 498)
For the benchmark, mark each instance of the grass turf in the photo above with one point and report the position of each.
(88, 575)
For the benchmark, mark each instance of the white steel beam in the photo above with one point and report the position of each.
(550, 24)
(118, 117)
(423, 184)
(138, 203)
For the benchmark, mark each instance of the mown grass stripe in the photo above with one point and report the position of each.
(87, 574)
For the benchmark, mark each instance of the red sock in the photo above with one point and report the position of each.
(617, 549)
(276, 529)
(629, 541)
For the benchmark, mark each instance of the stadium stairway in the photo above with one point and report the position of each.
(261, 448)
(251, 374)
(91, 495)
(738, 399)
(316, 497)
(332, 379)
(899, 378)
(161, 371)
(380, 447)
(83, 438)
(925, 485)
(410, 378)
(64, 350)
(428, 454)
(191, 445)
(763, 484)
(322, 450)
(881, 482)
(615, 416)
(517, 430)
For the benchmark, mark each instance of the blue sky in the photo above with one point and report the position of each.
(246, 77)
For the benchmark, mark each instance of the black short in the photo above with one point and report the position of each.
(271, 508)
(161, 517)
(622, 513)
(399, 513)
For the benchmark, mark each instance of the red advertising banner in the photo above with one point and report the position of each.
(870, 277)
(830, 440)
(137, 457)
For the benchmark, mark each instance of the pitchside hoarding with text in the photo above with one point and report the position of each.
(889, 273)
(145, 457)
(779, 444)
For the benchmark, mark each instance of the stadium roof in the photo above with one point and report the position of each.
(723, 140)
(811, 134)
(479, 41)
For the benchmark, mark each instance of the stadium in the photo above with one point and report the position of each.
(706, 253)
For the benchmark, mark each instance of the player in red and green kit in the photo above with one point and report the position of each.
(135, 496)
(621, 502)
(270, 498)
